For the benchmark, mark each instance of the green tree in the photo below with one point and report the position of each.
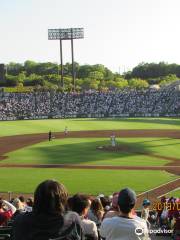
(14, 68)
(138, 83)
(96, 75)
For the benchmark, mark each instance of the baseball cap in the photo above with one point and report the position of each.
(146, 202)
(127, 197)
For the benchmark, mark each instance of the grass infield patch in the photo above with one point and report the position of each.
(84, 151)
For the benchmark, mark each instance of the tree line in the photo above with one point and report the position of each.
(96, 77)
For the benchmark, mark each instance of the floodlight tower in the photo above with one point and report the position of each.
(66, 34)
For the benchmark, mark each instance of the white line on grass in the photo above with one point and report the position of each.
(158, 187)
(176, 189)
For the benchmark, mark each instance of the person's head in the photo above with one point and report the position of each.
(30, 202)
(96, 205)
(126, 200)
(105, 201)
(22, 199)
(163, 199)
(50, 197)
(146, 203)
(115, 201)
(18, 204)
(80, 203)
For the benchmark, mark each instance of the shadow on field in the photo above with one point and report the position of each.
(86, 152)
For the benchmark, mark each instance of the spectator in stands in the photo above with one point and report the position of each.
(49, 218)
(162, 212)
(176, 217)
(150, 102)
(19, 207)
(106, 202)
(6, 211)
(80, 203)
(145, 211)
(114, 210)
(23, 202)
(29, 205)
(126, 226)
(96, 211)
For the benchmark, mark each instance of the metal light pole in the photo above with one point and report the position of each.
(61, 61)
(66, 34)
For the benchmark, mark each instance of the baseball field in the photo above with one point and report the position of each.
(146, 156)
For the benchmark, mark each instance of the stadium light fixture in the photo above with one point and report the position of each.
(66, 34)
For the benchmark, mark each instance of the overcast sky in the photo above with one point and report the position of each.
(118, 33)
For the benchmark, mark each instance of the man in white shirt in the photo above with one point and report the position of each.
(126, 226)
(81, 204)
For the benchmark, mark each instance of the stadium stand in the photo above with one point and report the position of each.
(164, 221)
(125, 103)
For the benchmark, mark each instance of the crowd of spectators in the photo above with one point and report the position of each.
(52, 214)
(151, 102)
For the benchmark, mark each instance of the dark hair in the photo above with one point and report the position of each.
(79, 202)
(30, 202)
(126, 200)
(96, 206)
(22, 199)
(105, 201)
(126, 208)
(50, 197)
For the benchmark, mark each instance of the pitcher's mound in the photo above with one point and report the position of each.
(117, 148)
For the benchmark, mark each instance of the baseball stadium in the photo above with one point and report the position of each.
(88, 152)
(145, 156)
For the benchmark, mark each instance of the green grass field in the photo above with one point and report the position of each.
(86, 181)
(57, 125)
(175, 193)
(83, 151)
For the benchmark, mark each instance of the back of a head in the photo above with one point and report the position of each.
(30, 202)
(17, 203)
(79, 202)
(126, 200)
(22, 199)
(96, 205)
(50, 197)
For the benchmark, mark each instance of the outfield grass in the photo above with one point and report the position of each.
(57, 125)
(175, 193)
(85, 181)
(84, 151)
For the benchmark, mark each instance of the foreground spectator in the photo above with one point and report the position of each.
(126, 226)
(49, 218)
(96, 211)
(81, 204)
(6, 211)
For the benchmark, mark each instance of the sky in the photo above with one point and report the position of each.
(119, 34)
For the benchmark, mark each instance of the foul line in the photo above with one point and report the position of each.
(158, 187)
